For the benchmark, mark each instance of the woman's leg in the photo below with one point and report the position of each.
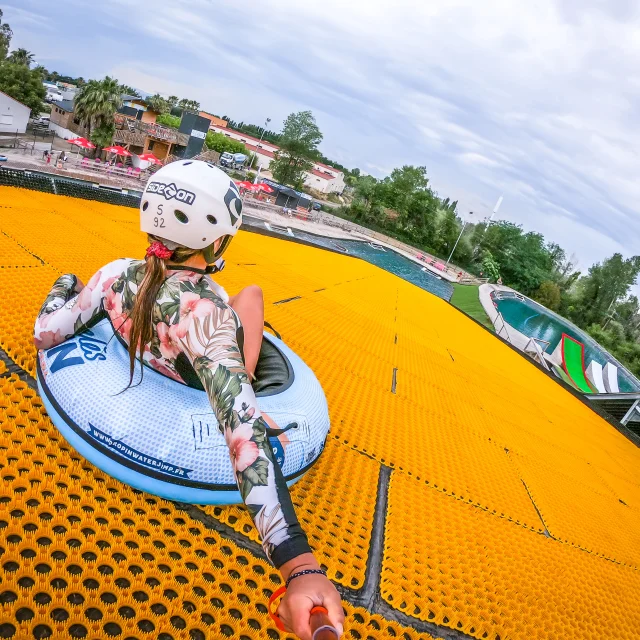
(249, 305)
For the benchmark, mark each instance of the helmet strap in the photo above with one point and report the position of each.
(211, 255)
(212, 268)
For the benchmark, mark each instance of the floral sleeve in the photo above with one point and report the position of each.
(207, 332)
(70, 306)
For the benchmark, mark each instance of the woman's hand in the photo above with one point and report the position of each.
(304, 593)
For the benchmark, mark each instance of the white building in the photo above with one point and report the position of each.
(14, 115)
(325, 179)
(322, 177)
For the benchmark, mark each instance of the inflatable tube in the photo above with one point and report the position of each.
(162, 436)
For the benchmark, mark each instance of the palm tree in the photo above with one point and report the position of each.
(21, 56)
(158, 104)
(96, 103)
(189, 105)
(128, 90)
(5, 38)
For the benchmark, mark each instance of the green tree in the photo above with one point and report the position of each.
(158, 104)
(129, 91)
(446, 232)
(23, 84)
(525, 259)
(627, 313)
(54, 76)
(168, 120)
(490, 268)
(188, 105)
(299, 141)
(5, 38)
(422, 211)
(365, 188)
(21, 56)
(220, 143)
(402, 184)
(605, 285)
(548, 295)
(102, 135)
(96, 103)
(613, 340)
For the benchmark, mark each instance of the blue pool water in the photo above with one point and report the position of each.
(388, 260)
(537, 321)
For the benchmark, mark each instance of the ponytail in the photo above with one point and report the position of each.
(142, 314)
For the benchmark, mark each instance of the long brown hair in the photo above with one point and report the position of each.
(142, 314)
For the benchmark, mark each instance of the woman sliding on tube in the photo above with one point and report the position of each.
(177, 320)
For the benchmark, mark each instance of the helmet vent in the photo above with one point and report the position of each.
(180, 216)
(212, 219)
(145, 206)
(184, 164)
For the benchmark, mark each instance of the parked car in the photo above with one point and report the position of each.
(3, 158)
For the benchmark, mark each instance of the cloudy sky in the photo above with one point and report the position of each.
(536, 100)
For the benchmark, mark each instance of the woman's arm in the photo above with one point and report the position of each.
(70, 305)
(207, 332)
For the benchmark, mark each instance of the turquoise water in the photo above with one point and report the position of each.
(536, 321)
(388, 259)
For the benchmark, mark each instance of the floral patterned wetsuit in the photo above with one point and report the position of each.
(194, 330)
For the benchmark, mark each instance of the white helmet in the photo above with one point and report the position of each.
(192, 203)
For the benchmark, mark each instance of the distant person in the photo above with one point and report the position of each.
(45, 153)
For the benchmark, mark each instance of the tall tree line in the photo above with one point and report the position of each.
(404, 206)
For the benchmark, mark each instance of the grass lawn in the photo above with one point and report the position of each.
(466, 298)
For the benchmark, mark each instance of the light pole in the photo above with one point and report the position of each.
(264, 129)
(458, 240)
(493, 213)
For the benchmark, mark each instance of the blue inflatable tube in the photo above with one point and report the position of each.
(161, 437)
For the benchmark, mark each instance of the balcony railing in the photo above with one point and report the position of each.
(149, 129)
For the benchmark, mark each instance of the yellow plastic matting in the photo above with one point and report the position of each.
(84, 556)
(513, 510)
(454, 564)
(337, 518)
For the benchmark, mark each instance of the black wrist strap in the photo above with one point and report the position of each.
(304, 573)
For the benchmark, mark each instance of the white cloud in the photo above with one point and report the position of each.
(536, 100)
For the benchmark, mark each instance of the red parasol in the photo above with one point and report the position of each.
(149, 157)
(118, 150)
(82, 142)
(244, 184)
(263, 186)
